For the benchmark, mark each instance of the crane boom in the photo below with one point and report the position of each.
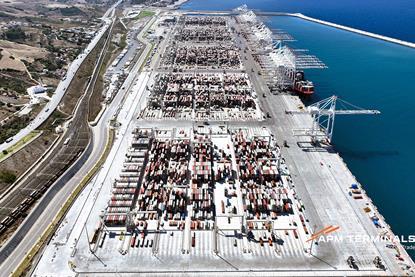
(323, 114)
(337, 112)
(359, 112)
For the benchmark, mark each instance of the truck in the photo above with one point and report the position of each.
(66, 141)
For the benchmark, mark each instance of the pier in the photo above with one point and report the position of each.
(353, 30)
(315, 20)
(206, 176)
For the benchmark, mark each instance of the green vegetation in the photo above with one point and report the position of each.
(71, 11)
(46, 31)
(5, 15)
(7, 176)
(19, 144)
(12, 127)
(51, 63)
(81, 78)
(143, 14)
(55, 119)
(12, 84)
(147, 56)
(52, 48)
(27, 261)
(123, 41)
(95, 101)
(15, 34)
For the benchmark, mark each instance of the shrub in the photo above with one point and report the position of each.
(15, 33)
(7, 176)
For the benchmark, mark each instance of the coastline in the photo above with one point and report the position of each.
(335, 160)
(177, 4)
(353, 30)
(324, 165)
(308, 18)
(388, 230)
(401, 251)
(400, 248)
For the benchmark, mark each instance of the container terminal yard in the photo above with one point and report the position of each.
(218, 168)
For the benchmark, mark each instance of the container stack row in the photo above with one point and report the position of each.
(263, 194)
(163, 193)
(177, 93)
(125, 187)
(202, 179)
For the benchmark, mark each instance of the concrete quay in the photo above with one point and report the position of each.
(354, 30)
(319, 177)
(315, 20)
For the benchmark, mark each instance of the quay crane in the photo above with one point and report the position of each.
(323, 114)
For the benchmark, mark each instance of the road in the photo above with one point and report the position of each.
(74, 141)
(133, 51)
(53, 166)
(321, 177)
(60, 91)
(37, 222)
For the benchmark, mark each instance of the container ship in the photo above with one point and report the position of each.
(301, 85)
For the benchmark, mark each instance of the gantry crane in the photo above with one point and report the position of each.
(323, 114)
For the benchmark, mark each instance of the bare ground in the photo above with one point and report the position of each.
(80, 81)
(30, 154)
(23, 51)
(4, 113)
(95, 104)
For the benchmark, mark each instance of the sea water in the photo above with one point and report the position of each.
(373, 74)
(378, 149)
(390, 18)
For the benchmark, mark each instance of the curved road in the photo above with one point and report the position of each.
(48, 207)
(63, 85)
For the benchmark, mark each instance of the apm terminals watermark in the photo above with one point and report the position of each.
(366, 238)
(409, 247)
(328, 234)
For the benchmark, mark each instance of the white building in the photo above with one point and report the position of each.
(36, 89)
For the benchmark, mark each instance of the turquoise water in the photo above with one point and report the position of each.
(391, 18)
(372, 74)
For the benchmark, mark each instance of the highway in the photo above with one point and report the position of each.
(36, 223)
(60, 91)
(320, 177)
(53, 166)
(73, 142)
